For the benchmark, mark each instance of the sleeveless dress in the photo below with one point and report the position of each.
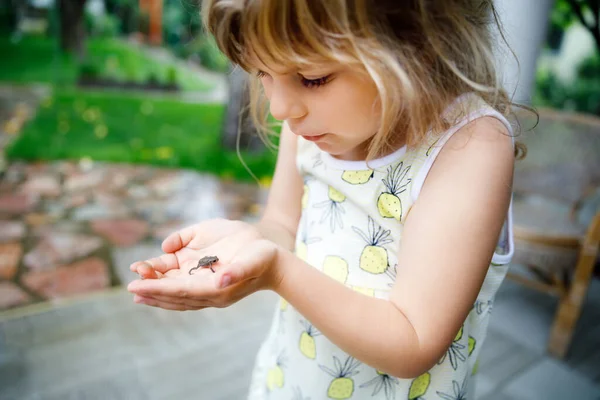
(350, 229)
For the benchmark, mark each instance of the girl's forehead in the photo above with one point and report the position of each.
(288, 64)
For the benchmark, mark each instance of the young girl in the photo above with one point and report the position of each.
(387, 231)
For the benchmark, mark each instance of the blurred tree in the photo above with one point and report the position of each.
(127, 11)
(72, 26)
(587, 12)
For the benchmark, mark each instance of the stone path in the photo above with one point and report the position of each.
(71, 228)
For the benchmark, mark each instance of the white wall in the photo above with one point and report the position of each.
(525, 25)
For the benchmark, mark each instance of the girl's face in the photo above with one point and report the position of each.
(330, 104)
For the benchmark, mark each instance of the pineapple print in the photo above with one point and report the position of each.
(333, 209)
(460, 392)
(283, 304)
(342, 385)
(357, 177)
(483, 306)
(336, 267)
(317, 160)
(472, 344)
(428, 152)
(388, 203)
(392, 273)
(374, 257)
(385, 382)
(307, 345)
(305, 195)
(275, 377)
(364, 290)
(454, 353)
(419, 387)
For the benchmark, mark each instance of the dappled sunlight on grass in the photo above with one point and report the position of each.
(114, 127)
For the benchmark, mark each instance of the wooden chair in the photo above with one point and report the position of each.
(556, 211)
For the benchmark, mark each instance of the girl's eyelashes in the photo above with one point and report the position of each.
(309, 83)
(315, 83)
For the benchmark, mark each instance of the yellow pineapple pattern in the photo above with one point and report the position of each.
(275, 377)
(388, 203)
(283, 304)
(357, 177)
(336, 267)
(333, 208)
(305, 196)
(342, 386)
(419, 387)
(472, 344)
(374, 257)
(364, 290)
(455, 353)
(307, 344)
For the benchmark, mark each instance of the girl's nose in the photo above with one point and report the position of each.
(285, 103)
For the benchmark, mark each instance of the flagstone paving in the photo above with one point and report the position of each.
(70, 228)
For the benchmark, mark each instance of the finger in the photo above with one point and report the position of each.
(163, 263)
(147, 272)
(181, 288)
(164, 305)
(203, 234)
(177, 240)
(194, 303)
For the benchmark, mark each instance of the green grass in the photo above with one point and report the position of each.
(38, 59)
(35, 60)
(112, 127)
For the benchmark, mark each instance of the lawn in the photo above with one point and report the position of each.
(116, 127)
(38, 59)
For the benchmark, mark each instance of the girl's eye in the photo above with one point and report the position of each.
(315, 83)
(261, 74)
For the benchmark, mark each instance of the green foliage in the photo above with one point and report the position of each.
(583, 95)
(36, 59)
(172, 76)
(39, 60)
(562, 15)
(113, 127)
(105, 26)
(205, 48)
(89, 70)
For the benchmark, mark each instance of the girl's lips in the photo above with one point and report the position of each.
(314, 138)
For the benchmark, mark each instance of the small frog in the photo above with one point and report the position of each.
(206, 262)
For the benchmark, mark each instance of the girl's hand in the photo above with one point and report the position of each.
(247, 263)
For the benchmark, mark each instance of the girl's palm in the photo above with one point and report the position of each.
(183, 249)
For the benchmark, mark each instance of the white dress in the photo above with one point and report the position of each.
(351, 227)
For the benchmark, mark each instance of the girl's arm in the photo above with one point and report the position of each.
(282, 213)
(447, 245)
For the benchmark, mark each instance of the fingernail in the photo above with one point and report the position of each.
(225, 281)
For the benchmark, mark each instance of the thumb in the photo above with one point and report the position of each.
(251, 266)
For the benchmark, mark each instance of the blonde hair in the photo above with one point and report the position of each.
(421, 54)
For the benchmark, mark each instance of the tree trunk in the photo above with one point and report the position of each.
(72, 27)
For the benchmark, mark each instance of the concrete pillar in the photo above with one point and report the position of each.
(525, 24)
